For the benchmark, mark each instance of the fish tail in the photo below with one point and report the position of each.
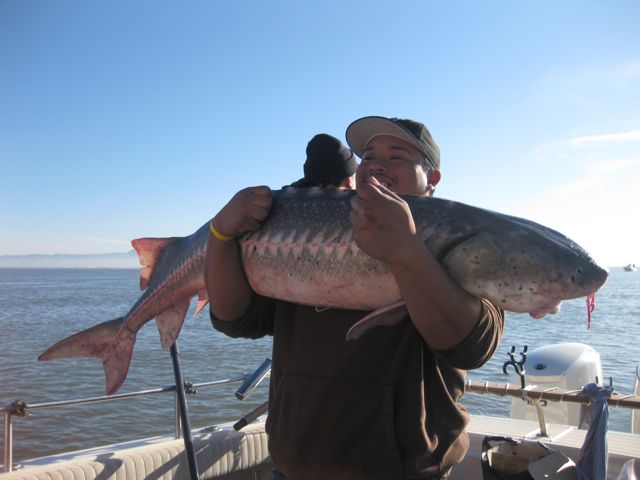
(107, 341)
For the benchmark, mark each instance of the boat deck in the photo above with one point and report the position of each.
(563, 438)
(226, 454)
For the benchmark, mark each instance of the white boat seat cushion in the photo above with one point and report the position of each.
(220, 454)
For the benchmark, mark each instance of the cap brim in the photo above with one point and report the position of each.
(361, 131)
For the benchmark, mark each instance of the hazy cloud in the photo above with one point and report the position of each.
(593, 200)
(612, 178)
(612, 148)
(631, 136)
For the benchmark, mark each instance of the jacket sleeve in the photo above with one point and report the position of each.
(255, 322)
(479, 346)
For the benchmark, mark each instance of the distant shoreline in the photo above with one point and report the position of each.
(61, 260)
(69, 268)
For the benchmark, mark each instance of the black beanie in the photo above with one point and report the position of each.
(328, 159)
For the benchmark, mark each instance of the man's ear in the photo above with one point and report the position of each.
(434, 177)
(432, 180)
(350, 182)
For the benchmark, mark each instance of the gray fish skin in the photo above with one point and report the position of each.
(305, 253)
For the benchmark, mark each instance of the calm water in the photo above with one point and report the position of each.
(39, 307)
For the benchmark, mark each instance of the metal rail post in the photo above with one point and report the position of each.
(176, 415)
(184, 413)
(8, 443)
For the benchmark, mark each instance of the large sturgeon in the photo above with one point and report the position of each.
(305, 253)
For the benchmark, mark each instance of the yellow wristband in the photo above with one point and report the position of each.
(217, 234)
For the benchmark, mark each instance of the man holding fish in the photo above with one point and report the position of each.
(386, 405)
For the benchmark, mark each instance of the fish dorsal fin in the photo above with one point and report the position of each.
(170, 322)
(149, 251)
(388, 315)
(203, 300)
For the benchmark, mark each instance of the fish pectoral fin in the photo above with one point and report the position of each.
(149, 251)
(385, 316)
(170, 322)
(203, 300)
(107, 341)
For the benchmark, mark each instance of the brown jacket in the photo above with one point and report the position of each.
(384, 406)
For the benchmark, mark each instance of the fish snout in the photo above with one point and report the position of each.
(589, 277)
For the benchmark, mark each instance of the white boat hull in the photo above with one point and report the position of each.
(226, 454)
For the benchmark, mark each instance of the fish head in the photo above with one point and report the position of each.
(524, 270)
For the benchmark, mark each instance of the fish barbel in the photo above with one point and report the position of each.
(305, 253)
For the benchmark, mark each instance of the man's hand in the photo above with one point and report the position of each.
(227, 286)
(245, 212)
(383, 226)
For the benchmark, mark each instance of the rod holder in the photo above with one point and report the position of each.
(253, 380)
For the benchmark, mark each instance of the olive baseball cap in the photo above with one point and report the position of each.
(361, 131)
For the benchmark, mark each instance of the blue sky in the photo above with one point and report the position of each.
(121, 120)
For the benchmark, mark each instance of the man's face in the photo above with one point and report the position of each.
(396, 164)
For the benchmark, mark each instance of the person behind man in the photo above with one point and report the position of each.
(385, 406)
(329, 164)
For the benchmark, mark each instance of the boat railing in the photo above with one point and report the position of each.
(534, 394)
(530, 393)
(20, 408)
(554, 394)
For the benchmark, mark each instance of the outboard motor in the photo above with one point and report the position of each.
(568, 366)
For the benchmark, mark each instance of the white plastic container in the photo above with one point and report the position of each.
(568, 366)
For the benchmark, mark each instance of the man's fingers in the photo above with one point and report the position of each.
(260, 190)
(371, 189)
(245, 211)
(367, 191)
(257, 202)
(382, 189)
(251, 225)
(259, 212)
(262, 197)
